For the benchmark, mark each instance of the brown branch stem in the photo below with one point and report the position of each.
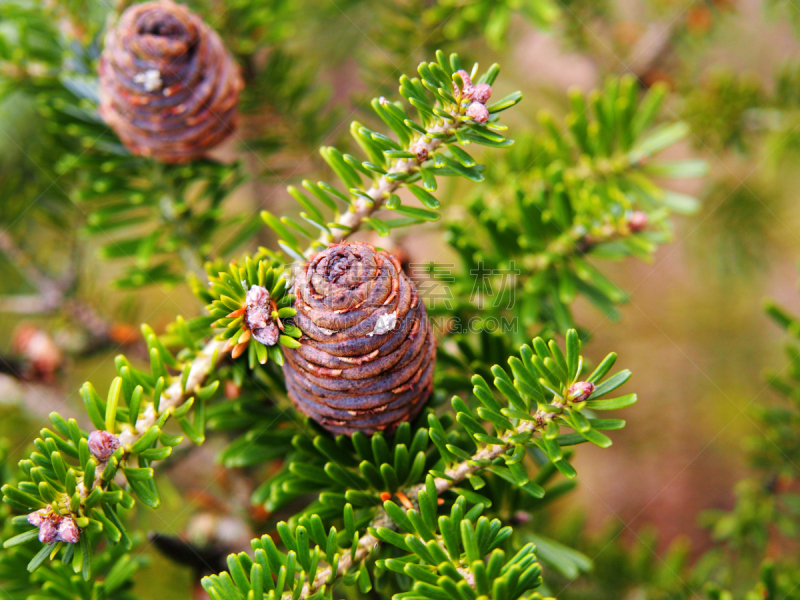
(175, 394)
(351, 221)
(53, 295)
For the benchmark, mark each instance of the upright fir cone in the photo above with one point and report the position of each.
(168, 86)
(367, 354)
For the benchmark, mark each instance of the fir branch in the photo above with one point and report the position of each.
(177, 393)
(352, 220)
(75, 473)
(25, 304)
(547, 392)
(589, 184)
(72, 477)
(368, 543)
(478, 462)
(54, 294)
(49, 289)
(452, 112)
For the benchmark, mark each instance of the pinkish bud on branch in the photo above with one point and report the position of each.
(466, 90)
(638, 221)
(68, 531)
(54, 527)
(478, 112)
(258, 316)
(481, 93)
(579, 391)
(103, 444)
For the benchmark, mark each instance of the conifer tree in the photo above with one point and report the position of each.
(394, 444)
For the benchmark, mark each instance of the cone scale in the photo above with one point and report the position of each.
(367, 353)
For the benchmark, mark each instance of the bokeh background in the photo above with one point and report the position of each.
(694, 333)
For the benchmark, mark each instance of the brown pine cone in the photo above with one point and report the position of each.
(168, 86)
(367, 353)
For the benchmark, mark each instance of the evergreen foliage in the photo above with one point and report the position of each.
(578, 190)
(433, 510)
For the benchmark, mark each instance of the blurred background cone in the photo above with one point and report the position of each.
(168, 86)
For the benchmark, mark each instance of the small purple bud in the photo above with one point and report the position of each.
(38, 517)
(580, 391)
(638, 221)
(102, 444)
(267, 335)
(522, 517)
(467, 90)
(47, 531)
(481, 92)
(257, 296)
(421, 152)
(478, 113)
(258, 316)
(68, 531)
